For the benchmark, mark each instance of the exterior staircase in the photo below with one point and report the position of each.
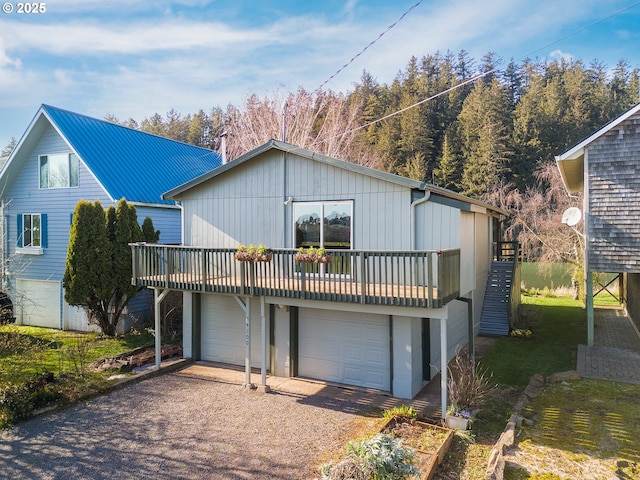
(503, 285)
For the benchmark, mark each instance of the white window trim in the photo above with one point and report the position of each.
(322, 203)
(68, 154)
(30, 250)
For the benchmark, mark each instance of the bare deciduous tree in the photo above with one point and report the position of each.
(536, 220)
(323, 122)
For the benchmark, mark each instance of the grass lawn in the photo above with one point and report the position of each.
(559, 326)
(39, 366)
(581, 429)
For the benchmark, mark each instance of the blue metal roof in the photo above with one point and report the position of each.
(131, 164)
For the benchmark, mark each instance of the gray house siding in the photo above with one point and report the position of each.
(614, 199)
(246, 204)
(253, 203)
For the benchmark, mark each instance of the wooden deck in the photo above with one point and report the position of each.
(387, 278)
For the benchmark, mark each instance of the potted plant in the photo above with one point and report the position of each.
(262, 254)
(253, 253)
(525, 334)
(458, 418)
(467, 384)
(312, 255)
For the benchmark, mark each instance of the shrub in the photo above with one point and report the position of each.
(468, 383)
(18, 401)
(401, 411)
(380, 458)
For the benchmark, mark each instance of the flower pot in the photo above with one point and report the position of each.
(457, 423)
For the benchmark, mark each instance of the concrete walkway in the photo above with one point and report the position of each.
(616, 353)
(427, 402)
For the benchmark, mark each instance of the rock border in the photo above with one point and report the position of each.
(495, 468)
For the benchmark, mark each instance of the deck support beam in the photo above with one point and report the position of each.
(157, 300)
(246, 308)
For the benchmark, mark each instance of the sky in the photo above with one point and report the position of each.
(135, 58)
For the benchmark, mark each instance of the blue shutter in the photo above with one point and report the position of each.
(19, 230)
(43, 230)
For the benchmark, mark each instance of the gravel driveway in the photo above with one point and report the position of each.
(177, 427)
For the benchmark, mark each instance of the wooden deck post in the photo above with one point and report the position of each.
(157, 300)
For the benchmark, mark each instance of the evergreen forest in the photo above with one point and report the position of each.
(467, 125)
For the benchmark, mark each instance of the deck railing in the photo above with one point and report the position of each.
(404, 278)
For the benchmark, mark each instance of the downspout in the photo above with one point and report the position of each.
(420, 201)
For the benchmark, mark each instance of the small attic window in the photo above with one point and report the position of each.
(59, 170)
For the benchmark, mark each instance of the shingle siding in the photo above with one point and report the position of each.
(614, 199)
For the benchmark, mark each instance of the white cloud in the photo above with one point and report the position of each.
(560, 55)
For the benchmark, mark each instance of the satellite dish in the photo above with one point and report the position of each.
(571, 216)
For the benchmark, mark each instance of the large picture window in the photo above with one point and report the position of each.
(58, 171)
(325, 224)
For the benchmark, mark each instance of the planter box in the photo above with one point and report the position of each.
(427, 458)
(457, 423)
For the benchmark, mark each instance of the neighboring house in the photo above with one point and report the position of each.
(606, 168)
(409, 262)
(62, 158)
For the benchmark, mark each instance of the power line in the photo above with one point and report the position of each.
(367, 47)
(473, 79)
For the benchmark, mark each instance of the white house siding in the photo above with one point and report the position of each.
(467, 252)
(38, 303)
(246, 204)
(437, 226)
(457, 332)
(483, 247)
(223, 330)
(351, 348)
(407, 356)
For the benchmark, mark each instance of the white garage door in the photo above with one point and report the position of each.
(38, 303)
(344, 347)
(223, 331)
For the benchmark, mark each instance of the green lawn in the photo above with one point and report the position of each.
(40, 366)
(558, 325)
(28, 351)
(581, 429)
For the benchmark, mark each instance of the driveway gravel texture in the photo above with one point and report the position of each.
(176, 427)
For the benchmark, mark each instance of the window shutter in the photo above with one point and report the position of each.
(19, 230)
(43, 230)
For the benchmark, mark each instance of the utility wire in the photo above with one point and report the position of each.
(367, 47)
(476, 77)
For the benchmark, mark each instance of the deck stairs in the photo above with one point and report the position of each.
(494, 319)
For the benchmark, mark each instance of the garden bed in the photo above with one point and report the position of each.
(430, 442)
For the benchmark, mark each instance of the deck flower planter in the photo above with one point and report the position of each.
(253, 254)
(312, 255)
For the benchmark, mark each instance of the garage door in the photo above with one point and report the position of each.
(344, 347)
(38, 303)
(223, 331)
